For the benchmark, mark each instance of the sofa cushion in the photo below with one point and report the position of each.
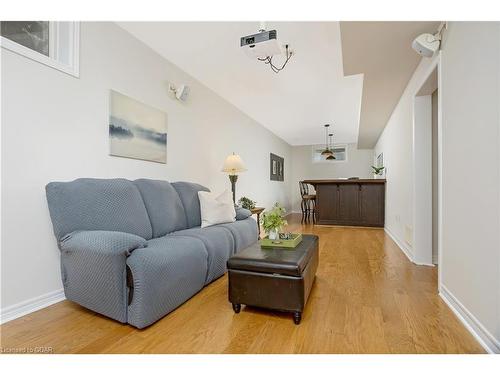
(244, 232)
(164, 206)
(219, 244)
(242, 213)
(166, 273)
(188, 192)
(97, 204)
(216, 209)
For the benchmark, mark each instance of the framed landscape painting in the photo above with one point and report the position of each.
(136, 130)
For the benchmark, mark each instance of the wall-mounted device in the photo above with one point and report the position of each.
(427, 44)
(181, 92)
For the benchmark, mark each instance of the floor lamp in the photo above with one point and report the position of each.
(232, 166)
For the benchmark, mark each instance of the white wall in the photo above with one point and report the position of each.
(470, 88)
(396, 142)
(55, 128)
(435, 196)
(470, 243)
(358, 164)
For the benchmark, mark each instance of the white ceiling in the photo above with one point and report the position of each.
(312, 90)
(294, 104)
(382, 52)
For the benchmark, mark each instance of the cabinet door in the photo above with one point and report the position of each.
(348, 204)
(372, 205)
(327, 203)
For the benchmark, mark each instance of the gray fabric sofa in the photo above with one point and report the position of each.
(134, 250)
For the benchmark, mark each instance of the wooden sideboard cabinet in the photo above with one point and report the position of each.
(350, 202)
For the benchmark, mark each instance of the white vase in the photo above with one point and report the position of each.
(273, 234)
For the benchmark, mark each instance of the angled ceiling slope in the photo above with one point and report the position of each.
(382, 52)
(294, 104)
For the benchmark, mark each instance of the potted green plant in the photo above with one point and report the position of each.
(377, 171)
(273, 220)
(246, 203)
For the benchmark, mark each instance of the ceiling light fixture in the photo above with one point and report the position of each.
(326, 151)
(332, 155)
(264, 46)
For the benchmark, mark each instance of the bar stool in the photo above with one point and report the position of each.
(307, 204)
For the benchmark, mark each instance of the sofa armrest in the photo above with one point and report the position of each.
(242, 213)
(94, 269)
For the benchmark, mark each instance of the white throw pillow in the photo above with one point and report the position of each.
(216, 209)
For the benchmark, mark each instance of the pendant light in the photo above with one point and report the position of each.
(326, 151)
(330, 144)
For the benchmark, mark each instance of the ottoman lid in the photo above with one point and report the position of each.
(291, 262)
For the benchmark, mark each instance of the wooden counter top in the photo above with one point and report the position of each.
(345, 181)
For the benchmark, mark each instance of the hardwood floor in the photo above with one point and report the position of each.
(367, 298)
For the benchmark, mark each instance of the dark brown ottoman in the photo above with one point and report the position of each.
(278, 279)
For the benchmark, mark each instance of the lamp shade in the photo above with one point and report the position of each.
(233, 164)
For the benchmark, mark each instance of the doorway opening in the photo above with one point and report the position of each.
(426, 163)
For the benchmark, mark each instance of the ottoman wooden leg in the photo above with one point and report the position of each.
(236, 307)
(297, 317)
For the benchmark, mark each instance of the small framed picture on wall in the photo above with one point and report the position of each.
(277, 168)
(380, 160)
(380, 164)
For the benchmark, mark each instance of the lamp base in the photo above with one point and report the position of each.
(233, 178)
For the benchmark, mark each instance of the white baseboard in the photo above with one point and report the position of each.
(425, 264)
(434, 259)
(16, 311)
(480, 333)
(405, 249)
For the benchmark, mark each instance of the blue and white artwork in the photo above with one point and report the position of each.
(136, 130)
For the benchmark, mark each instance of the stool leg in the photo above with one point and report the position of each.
(236, 308)
(297, 317)
(314, 210)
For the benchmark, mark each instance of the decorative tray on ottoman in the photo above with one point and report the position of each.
(292, 242)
